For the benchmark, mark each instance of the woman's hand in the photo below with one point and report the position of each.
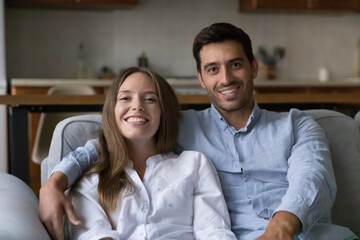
(54, 204)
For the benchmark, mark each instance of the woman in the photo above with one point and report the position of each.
(139, 189)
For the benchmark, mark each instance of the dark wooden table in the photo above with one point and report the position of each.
(20, 105)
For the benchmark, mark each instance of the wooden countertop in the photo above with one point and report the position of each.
(262, 98)
(190, 82)
(34, 82)
(29, 100)
(345, 91)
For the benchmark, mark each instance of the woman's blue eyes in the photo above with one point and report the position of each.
(150, 99)
(145, 99)
(124, 99)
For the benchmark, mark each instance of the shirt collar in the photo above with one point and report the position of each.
(153, 159)
(219, 119)
(254, 116)
(222, 123)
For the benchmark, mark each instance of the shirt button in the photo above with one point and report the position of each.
(145, 207)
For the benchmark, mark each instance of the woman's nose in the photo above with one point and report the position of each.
(137, 104)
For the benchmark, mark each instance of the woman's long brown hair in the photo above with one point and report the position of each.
(113, 152)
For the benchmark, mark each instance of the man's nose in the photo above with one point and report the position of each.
(226, 77)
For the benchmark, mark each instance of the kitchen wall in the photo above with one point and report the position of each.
(43, 43)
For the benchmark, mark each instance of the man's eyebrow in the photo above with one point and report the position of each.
(241, 59)
(210, 64)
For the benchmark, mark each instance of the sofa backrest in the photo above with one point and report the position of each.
(341, 130)
(357, 119)
(68, 135)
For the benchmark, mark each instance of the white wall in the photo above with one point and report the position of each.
(43, 43)
(3, 116)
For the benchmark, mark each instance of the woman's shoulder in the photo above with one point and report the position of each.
(192, 153)
(194, 157)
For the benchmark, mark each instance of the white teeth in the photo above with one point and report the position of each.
(136, 120)
(226, 92)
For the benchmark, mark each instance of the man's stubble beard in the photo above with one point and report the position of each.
(241, 103)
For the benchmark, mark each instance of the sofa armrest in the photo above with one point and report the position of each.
(19, 218)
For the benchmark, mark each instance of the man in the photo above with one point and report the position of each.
(275, 168)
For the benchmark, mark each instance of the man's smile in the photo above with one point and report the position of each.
(229, 91)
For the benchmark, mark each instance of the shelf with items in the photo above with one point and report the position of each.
(265, 5)
(298, 5)
(343, 5)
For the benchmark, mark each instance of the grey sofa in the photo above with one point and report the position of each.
(19, 206)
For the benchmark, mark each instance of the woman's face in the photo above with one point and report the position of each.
(137, 109)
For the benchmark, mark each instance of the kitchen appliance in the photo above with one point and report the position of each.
(3, 90)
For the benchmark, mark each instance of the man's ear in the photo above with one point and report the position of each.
(254, 68)
(201, 81)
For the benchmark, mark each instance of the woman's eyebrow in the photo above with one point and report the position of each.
(151, 92)
(145, 92)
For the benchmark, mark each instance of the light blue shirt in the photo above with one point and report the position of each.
(277, 162)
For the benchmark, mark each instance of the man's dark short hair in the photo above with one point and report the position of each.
(220, 32)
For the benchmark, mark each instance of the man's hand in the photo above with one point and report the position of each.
(54, 204)
(283, 226)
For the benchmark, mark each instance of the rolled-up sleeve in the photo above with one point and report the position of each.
(75, 163)
(312, 187)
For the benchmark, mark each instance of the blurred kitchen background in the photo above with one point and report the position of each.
(43, 43)
(313, 45)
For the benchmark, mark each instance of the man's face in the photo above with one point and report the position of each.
(227, 75)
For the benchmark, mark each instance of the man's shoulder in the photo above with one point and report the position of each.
(293, 113)
(191, 113)
(292, 119)
(191, 117)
